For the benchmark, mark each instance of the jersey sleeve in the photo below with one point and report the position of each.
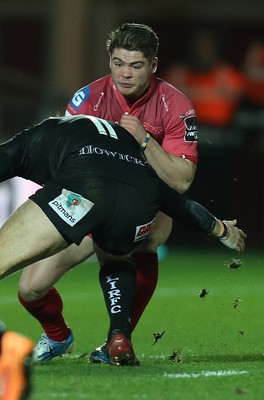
(181, 132)
(80, 102)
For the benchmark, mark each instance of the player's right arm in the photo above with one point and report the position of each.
(188, 211)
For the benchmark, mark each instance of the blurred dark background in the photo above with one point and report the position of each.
(50, 49)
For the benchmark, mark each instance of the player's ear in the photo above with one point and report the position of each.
(154, 65)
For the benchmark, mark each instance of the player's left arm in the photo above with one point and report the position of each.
(177, 172)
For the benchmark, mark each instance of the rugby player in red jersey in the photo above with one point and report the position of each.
(135, 98)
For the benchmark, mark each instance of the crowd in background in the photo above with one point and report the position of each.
(229, 103)
(218, 89)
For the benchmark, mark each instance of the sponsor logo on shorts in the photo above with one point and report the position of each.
(143, 230)
(191, 134)
(70, 207)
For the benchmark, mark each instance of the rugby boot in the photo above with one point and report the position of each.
(120, 350)
(46, 349)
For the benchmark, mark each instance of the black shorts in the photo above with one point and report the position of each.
(118, 215)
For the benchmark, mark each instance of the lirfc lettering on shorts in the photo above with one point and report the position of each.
(143, 230)
(71, 207)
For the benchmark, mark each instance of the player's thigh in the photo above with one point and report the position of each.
(132, 213)
(158, 235)
(39, 277)
(26, 237)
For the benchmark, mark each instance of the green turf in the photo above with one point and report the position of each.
(218, 338)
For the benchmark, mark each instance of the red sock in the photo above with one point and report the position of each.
(48, 311)
(147, 268)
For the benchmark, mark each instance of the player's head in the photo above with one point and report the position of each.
(133, 49)
(134, 37)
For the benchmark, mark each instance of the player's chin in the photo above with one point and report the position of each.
(126, 90)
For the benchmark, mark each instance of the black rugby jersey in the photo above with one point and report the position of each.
(91, 146)
(68, 149)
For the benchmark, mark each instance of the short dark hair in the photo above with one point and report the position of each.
(134, 37)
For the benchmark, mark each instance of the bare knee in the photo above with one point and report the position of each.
(29, 291)
(35, 281)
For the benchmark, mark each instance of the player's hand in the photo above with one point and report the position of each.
(133, 126)
(235, 237)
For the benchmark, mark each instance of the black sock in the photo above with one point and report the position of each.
(118, 282)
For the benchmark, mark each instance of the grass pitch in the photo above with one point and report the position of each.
(212, 346)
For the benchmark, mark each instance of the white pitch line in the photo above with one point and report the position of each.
(229, 372)
(64, 395)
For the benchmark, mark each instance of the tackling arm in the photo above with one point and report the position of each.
(177, 172)
(186, 210)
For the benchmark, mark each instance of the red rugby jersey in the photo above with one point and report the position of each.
(164, 111)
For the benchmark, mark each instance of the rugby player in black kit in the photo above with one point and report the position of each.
(96, 181)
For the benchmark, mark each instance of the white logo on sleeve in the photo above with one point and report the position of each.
(71, 207)
(78, 98)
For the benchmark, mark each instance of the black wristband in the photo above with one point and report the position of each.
(225, 231)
